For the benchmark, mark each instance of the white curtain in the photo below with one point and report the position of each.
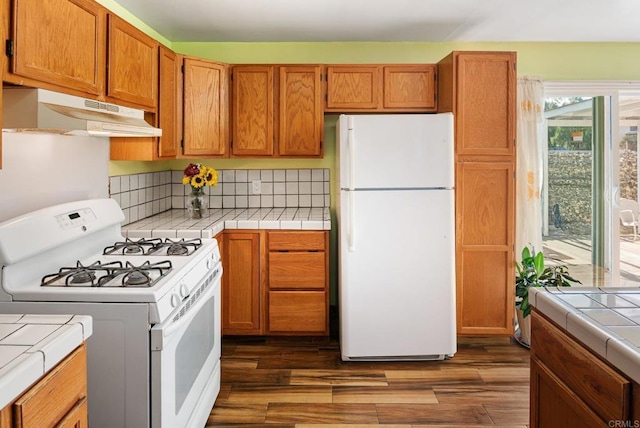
(530, 139)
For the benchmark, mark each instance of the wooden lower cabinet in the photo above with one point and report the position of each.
(298, 283)
(275, 282)
(58, 399)
(571, 386)
(242, 264)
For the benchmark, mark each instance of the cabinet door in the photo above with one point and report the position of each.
(205, 125)
(554, 405)
(297, 312)
(352, 87)
(409, 87)
(252, 118)
(133, 65)
(62, 42)
(301, 117)
(169, 118)
(55, 395)
(297, 270)
(485, 103)
(603, 390)
(485, 205)
(241, 283)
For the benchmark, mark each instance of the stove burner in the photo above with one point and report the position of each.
(177, 250)
(132, 249)
(136, 278)
(82, 277)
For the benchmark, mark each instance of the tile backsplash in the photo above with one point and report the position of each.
(146, 194)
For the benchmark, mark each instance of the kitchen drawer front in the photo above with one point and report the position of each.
(49, 400)
(297, 270)
(296, 241)
(297, 312)
(599, 386)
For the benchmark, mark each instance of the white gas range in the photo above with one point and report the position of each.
(154, 357)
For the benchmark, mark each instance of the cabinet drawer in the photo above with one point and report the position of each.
(297, 311)
(598, 385)
(49, 400)
(296, 241)
(297, 270)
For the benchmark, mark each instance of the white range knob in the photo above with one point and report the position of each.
(184, 290)
(175, 300)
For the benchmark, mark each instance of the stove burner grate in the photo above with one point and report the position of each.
(130, 247)
(154, 246)
(183, 247)
(80, 275)
(112, 274)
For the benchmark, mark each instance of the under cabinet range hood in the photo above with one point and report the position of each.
(44, 111)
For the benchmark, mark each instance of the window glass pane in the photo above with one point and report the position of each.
(567, 238)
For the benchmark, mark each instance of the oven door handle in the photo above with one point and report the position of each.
(164, 333)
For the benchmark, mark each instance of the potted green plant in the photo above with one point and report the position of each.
(531, 272)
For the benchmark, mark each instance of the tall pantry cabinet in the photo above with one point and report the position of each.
(480, 89)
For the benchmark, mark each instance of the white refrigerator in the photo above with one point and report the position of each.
(396, 237)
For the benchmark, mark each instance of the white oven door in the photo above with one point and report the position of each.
(185, 359)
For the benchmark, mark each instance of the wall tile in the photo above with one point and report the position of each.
(146, 194)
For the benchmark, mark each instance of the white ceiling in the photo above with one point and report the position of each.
(390, 20)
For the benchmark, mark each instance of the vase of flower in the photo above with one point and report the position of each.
(198, 203)
(197, 176)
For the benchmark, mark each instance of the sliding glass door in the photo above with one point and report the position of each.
(591, 183)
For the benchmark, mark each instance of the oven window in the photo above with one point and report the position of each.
(193, 349)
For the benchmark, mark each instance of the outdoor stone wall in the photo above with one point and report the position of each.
(570, 189)
(628, 174)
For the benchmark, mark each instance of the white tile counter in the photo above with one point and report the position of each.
(31, 345)
(606, 320)
(176, 223)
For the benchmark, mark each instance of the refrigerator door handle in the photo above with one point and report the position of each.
(351, 231)
(351, 141)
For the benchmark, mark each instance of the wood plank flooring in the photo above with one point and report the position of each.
(302, 383)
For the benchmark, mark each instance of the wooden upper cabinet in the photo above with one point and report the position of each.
(205, 124)
(381, 88)
(60, 42)
(277, 111)
(480, 89)
(132, 65)
(410, 86)
(252, 117)
(169, 105)
(301, 116)
(352, 87)
(205, 93)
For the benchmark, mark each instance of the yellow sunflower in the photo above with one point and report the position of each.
(197, 181)
(210, 176)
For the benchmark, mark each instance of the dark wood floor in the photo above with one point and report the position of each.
(303, 383)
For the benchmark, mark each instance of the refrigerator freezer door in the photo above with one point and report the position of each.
(395, 151)
(397, 283)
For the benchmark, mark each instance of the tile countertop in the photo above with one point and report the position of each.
(175, 223)
(31, 345)
(606, 320)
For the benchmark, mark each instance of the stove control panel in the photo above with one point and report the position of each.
(76, 218)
